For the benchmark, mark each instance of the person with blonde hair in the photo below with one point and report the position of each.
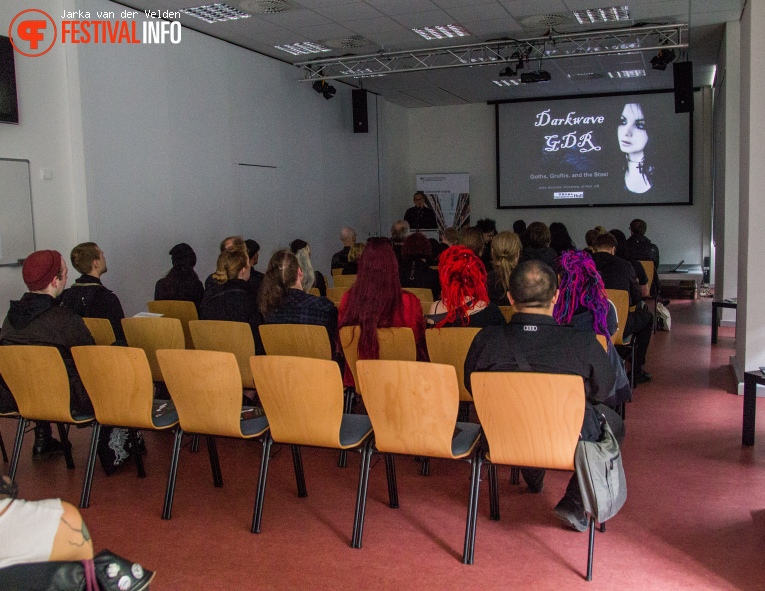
(229, 243)
(505, 251)
(354, 254)
(311, 278)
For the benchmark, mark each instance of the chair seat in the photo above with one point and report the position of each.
(82, 417)
(354, 429)
(254, 427)
(167, 416)
(466, 439)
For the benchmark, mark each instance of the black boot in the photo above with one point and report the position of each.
(45, 444)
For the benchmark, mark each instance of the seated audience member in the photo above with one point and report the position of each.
(38, 319)
(421, 216)
(354, 254)
(537, 246)
(489, 229)
(621, 249)
(181, 282)
(232, 242)
(398, 233)
(472, 238)
(348, 238)
(560, 239)
(640, 248)
(464, 300)
(376, 300)
(311, 278)
(547, 347)
(591, 235)
(519, 227)
(414, 267)
(87, 296)
(583, 303)
(283, 301)
(232, 297)
(253, 252)
(619, 274)
(505, 251)
(449, 237)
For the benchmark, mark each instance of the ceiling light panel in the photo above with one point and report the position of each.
(602, 15)
(216, 13)
(441, 32)
(304, 48)
(508, 82)
(627, 74)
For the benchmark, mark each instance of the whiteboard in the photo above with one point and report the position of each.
(17, 237)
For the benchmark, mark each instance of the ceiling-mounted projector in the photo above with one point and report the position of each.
(540, 76)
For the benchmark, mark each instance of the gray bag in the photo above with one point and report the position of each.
(600, 473)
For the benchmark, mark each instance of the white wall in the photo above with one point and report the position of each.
(462, 139)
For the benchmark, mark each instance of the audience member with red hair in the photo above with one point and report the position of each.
(464, 298)
(414, 268)
(377, 301)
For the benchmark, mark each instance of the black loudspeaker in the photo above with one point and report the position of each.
(683, 72)
(360, 118)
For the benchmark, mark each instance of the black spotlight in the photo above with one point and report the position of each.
(662, 59)
(326, 90)
(508, 71)
(540, 76)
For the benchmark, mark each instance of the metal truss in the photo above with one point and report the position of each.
(554, 46)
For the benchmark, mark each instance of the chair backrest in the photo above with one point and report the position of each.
(507, 312)
(296, 340)
(530, 419)
(228, 337)
(101, 329)
(649, 268)
(603, 342)
(315, 291)
(426, 306)
(343, 280)
(337, 271)
(412, 405)
(335, 294)
(450, 346)
(183, 311)
(37, 378)
(206, 388)
(424, 294)
(302, 398)
(151, 334)
(621, 300)
(395, 344)
(118, 382)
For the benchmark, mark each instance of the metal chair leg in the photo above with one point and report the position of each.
(361, 494)
(297, 460)
(138, 456)
(590, 549)
(63, 434)
(260, 495)
(20, 430)
(2, 449)
(212, 451)
(390, 472)
(472, 516)
(425, 469)
(170, 492)
(515, 475)
(493, 493)
(194, 447)
(603, 528)
(86, 485)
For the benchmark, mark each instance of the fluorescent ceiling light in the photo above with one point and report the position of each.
(216, 13)
(627, 74)
(303, 48)
(441, 32)
(507, 82)
(602, 15)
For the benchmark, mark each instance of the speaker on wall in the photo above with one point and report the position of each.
(360, 117)
(683, 72)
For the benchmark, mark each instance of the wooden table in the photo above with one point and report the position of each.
(715, 319)
(751, 379)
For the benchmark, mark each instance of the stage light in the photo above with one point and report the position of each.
(326, 90)
(662, 59)
(508, 71)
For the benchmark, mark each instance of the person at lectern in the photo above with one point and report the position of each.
(421, 216)
(633, 139)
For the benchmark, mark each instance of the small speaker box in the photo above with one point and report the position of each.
(360, 116)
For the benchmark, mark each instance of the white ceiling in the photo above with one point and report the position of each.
(387, 26)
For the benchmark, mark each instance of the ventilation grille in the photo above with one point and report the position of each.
(541, 21)
(353, 42)
(265, 6)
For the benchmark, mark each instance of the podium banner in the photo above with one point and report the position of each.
(448, 196)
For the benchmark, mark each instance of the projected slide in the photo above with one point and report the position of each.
(605, 150)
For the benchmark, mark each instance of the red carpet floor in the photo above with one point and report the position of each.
(694, 518)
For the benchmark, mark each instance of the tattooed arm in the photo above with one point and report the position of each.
(72, 541)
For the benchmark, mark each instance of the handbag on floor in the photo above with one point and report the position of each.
(663, 319)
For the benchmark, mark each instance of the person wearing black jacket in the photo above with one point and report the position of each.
(181, 282)
(414, 267)
(533, 338)
(421, 216)
(640, 248)
(87, 296)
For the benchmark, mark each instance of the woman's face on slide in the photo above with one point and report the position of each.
(632, 134)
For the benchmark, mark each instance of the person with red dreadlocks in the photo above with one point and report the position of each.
(583, 303)
(464, 297)
(376, 300)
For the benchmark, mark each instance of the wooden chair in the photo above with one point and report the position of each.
(226, 336)
(303, 400)
(37, 378)
(603, 342)
(296, 340)
(413, 408)
(395, 344)
(315, 291)
(424, 294)
(206, 387)
(335, 294)
(507, 312)
(450, 346)
(621, 300)
(151, 334)
(535, 422)
(101, 329)
(6, 415)
(426, 306)
(182, 310)
(343, 280)
(118, 381)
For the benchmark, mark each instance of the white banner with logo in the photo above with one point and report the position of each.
(449, 196)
